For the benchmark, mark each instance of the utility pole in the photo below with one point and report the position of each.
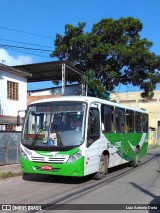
(3, 61)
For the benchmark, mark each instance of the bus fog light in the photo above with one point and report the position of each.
(75, 157)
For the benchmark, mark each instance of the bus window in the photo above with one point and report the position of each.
(120, 119)
(107, 118)
(138, 122)
(145, 122)
(93, 132)
(129, 121)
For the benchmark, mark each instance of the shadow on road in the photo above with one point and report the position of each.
(67, 179)
(155, 203)
(56, 179)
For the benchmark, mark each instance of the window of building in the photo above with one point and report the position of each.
(12, 90)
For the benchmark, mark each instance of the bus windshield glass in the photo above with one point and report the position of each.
(54, 125)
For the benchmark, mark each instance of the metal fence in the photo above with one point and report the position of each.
(9, 147)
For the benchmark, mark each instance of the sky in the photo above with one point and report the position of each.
(33, 24)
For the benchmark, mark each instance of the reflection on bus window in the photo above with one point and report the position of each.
(93, 132)
(129, 121)
(138, 122)
(107, 116)
(120, 119)
(54, 125)
(145, 123)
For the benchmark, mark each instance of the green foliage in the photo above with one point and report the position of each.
(93, 84)
(113, 51)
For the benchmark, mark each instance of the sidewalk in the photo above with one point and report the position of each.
(15, 169)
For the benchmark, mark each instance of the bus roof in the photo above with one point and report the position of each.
(88, 100)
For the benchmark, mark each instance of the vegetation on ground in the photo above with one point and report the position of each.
(5, 175)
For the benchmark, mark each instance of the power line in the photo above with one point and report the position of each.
(26, 52)
(20, 31)
(26, 48)
(24, 43)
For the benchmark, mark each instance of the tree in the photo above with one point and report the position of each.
(114, 51)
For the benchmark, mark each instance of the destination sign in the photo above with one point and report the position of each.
(58, 108)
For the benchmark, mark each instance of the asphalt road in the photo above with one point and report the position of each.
(123, 185)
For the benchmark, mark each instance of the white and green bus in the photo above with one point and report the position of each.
(80, 135)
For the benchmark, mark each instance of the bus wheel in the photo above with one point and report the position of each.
(24, 176)
(103, 168)
(107, 163)
(136, 158)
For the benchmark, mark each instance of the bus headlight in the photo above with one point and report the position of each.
(75, 157)
(24, 154)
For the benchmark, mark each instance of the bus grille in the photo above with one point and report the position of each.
(38, 159)
(48, 159)
(57, 160)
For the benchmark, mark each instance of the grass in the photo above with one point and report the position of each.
(5, 175)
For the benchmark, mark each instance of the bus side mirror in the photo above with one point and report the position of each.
(18, 120)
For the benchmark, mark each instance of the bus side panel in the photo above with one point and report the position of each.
(93, 154)
(94, 151)
(126, 143)
(131, 141)
(115, 148)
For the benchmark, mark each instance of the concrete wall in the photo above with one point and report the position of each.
(9, 147)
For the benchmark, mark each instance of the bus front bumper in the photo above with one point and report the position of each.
(75, 168)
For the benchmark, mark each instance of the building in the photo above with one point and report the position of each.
(53, 71)
(13, 96)
(35, 95)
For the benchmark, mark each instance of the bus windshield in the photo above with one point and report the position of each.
(54, 125)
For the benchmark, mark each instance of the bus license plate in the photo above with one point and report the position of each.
(45, 167)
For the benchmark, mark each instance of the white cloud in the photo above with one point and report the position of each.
(12, 61)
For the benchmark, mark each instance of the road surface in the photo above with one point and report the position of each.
(123, 185)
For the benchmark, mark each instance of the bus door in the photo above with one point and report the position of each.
(93, 150)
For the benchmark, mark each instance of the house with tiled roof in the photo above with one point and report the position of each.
(13, 96)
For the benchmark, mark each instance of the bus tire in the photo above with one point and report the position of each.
(24, 176)
(107, 163)
(135, 162)
(103, 168)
